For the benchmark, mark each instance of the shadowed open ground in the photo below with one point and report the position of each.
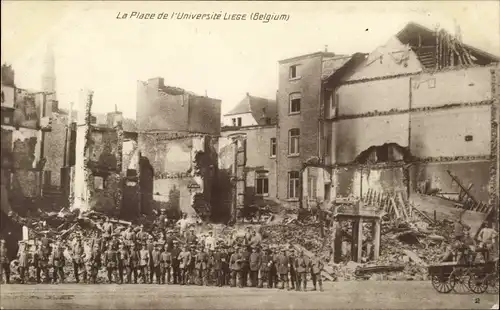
(341, 295)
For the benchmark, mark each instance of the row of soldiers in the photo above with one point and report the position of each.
(168, 262)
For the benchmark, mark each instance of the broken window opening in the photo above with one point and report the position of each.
(293, 184)
(262, 184)
(293, 141)
(273, 147)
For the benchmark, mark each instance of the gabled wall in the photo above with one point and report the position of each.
(392, 58)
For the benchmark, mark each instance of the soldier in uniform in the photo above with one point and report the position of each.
(184, 259)
(150, 247)
(134, 263)
(124, 263)
(266, 261)
(316, 267)
(95, 262)
(201, 265)
(191, 238)
(107, 228)
(293, 274)
(24, 259)
(155, 264)
(41, 262)
(283, 268)
(254, 264)
(111, 263)
(169, 241)
(236, 265)
(58, 262)
(165, 264)
(273, 271)
(302, 265)
(144, 262)
(176, 274)
(245, 271)
(129, 237)
(191, 265)
(78, 255)
(4, 263)
(230, 250)
(217, 266)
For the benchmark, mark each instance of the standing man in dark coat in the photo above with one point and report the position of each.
(255, 261)
(291, 264)
(302, 265)
(217, 266)
(111, 263)
(155, 264)
(236, 265)
(165, 265)
(58, 262)
(176, 274)
(266, 261)
(283, 268)
(245, 271)
(124, 263)
(95, 262)
(273, 271)
(24, 259)
(144, 262)
(316, 267)
(201, 265)
(4, 263)
(150, 247)
(134, 263)
(184, 259)
(78, 256)
(41, 262)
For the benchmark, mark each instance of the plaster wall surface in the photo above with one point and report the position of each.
(247, 119)
(442, 132)
(353, 136)
(466, 85)
(380, 95)
(392, 58)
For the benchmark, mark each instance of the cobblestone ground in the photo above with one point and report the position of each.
(340, 295)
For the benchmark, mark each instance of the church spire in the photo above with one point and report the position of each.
(49, 70)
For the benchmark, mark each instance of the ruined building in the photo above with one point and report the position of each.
(254, 119)
(178, 133)
(419, 113)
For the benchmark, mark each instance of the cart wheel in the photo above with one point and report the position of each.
(461, 280)
(441, 284)
(491, 282)
(477, 284)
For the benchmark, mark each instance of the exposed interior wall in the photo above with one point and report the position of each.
(103, 148)
(55, 147)
(468, 173)
(443, 132)
(442, 88)
(381, 95)
(392, 58)
(356, 182)
(352, 136)
(179, 172)
(204, 115)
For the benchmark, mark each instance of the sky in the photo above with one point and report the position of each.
(224, 59)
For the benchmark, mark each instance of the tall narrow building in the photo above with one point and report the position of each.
(49, 71)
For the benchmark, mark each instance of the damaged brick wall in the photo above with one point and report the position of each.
(54, 148)
(178, 172)
(20, 159)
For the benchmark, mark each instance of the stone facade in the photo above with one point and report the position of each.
(177, 134)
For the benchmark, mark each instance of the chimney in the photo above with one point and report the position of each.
(248, 95)
(326, 48)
